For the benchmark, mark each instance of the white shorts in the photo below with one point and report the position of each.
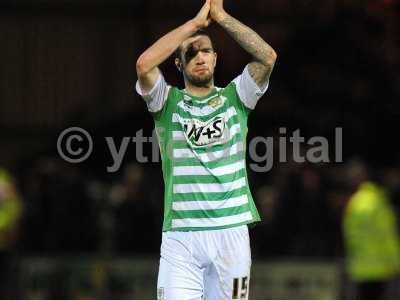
(207, 265)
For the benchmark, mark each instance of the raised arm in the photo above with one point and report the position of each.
(148, 62)
(264, 56)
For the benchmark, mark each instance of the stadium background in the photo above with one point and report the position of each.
(89, 234)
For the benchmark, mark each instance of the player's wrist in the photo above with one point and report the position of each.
(195, 25)
(219, 16)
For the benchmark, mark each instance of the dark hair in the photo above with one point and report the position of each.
(178, 51)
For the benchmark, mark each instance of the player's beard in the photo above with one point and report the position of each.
(200, 80)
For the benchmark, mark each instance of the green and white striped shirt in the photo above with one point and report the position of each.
(203, 149)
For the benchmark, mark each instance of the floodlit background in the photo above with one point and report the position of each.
(76, 231)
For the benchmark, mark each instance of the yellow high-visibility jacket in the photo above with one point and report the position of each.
(10, 208)
(371, 236)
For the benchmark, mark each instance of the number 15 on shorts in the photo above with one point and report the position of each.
(240, 288)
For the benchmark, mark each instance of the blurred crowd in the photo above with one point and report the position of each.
(302, 206)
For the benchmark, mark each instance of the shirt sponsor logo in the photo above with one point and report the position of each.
(200, 133)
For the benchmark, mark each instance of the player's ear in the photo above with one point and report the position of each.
(215, 59)
(178, 64)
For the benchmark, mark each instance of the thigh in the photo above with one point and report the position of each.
(179, 281)
(229, 276)
(179, 277)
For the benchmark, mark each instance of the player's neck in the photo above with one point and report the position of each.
(199, 91)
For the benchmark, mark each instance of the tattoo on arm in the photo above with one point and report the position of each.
(264, 56)
(259, 72)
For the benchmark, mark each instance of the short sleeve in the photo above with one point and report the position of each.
(157, 96)
(248, 90)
